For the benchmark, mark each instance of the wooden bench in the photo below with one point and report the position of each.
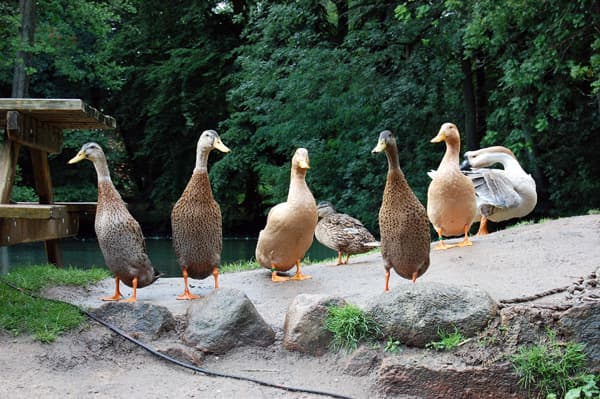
(38, 124)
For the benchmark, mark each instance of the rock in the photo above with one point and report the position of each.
(362, 361)
(304, 326)
(140, 320)
(524, 325)
(224, 319)
(436, 376)
(582, 324)
(414, 313)
(180, 352)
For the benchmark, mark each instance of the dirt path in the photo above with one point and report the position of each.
(520, 261)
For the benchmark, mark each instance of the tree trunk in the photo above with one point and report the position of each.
(470, 107)
(342, 12)
(20, 87)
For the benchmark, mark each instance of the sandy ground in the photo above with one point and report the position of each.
(92, 362)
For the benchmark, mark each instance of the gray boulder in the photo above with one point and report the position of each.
(140, 320)
(582, 324)
(304, 327)
(413, 313)
(224, 319)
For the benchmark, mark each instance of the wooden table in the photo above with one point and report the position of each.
(38, 124)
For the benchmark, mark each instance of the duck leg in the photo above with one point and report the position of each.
(133, 297)
(347, 257)
(466, 242)
(483, 230)
(387, 280)
(275, 277)
(187, 295)
(215, 274)
(414, 276)
(441, 244)
(299, 275)
(117, 295)
(339, 262)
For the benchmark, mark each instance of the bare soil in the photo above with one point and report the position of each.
(94, 362)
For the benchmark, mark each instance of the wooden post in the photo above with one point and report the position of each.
(9, 154)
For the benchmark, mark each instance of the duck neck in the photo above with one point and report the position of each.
(452, 155)
(391, 153)
(201, 160)
(298, 187)
(102, 170)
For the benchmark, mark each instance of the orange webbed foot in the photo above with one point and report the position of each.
(187, 296)
(278, 279)
(115, 297)
(300, 276)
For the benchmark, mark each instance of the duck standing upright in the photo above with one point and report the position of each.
(451, 203)
(196, 220)
(502, 194)
(403, 224)
(290, 225)
(342, 233)
(119, 235)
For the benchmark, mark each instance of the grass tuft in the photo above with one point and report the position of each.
(350, 326)
(550, 367)
(448, 341)
(43, 318)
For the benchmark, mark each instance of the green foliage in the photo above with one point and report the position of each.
(551, 367)
(42, 318)
(392, 345)
(350, 326)
(448, 341)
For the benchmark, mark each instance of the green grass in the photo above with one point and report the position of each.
(22, 314)
(448, 341)
(240, 266)
(392, 345)
(551, 367)
(350, 326)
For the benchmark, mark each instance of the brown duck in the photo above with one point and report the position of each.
(196, 220)
(119, 235)
(451, 202)
(290, 225)
(342, 233)
(405, 239)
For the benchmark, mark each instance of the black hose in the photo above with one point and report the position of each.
(171, 359)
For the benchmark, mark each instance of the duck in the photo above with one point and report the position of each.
(451, 201)
(403, 223)
(342, 233)
(196, 221)
(119, 235)
(502, 194)
(290, 225)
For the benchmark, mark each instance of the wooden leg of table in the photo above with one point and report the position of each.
(9, 154)
(43, 186)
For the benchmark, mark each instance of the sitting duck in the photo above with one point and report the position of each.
(342, 233)
(405, 238)
(451, 203)
(502, 194)
(196, 220)
(119, 235)
(290, 225)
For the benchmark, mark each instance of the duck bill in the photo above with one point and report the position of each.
(220, 146)
(79, 157)
(379, 147)
(441, 136)
(465, 165)
(304, 164)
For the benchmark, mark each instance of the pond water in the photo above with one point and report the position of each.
(86, 254)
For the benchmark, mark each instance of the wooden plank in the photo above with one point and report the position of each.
(84, 208)
(41, 175)
(21, 230)
(32, 133)
(62, 113)
(32, 211)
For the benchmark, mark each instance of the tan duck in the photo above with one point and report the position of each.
(290, 225)
(502, 194)
(405, 238)
(451, 203)
(119, 235)
(342, 233)
(196, 220)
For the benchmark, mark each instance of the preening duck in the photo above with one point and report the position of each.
(502, 194)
